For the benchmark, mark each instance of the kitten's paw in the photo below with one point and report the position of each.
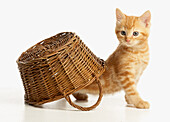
(80, 96)
(142, 105)
(127, 100)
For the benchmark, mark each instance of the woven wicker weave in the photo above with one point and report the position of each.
(57, 67)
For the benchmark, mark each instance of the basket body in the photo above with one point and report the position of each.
(57, 67)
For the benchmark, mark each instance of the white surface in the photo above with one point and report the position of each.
(24, 23)
(111, 109)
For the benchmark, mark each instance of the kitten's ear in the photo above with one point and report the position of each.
(119, 15)
(145, 18)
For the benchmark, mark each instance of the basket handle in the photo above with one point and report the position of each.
(91, 107)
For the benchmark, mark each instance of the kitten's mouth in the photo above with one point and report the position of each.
(129, 44)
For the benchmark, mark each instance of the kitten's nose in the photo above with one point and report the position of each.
(128, 40)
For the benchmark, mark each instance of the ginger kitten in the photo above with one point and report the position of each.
(125, 66)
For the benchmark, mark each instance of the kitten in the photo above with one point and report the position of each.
(125, 66)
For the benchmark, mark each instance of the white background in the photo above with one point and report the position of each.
(24, 23)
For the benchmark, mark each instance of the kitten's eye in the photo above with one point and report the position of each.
(123, 33)
(135, 33)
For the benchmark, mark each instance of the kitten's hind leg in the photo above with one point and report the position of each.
(80, 96)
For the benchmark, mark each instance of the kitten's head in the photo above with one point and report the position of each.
(131, 30)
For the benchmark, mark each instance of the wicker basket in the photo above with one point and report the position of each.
(57, 67)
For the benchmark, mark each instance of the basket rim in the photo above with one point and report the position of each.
(62, 96)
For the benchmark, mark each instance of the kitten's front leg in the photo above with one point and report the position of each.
(137, 101)
(132, 96)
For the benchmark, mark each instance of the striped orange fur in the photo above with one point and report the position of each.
(125, 66)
